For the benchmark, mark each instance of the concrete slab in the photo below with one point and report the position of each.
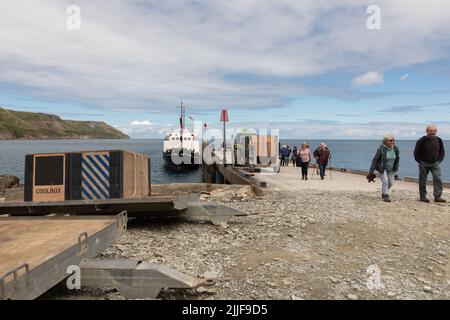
(290, 179)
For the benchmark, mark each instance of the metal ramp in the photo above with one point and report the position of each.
(217, 213)
(135, 279)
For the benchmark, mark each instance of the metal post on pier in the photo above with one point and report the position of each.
(224, 119)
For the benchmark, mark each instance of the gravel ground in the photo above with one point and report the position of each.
(304, 245)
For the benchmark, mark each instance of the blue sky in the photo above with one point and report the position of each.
(309, 68)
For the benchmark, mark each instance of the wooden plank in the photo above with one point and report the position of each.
(45, 249)
(35, 240)
(152, 199)
(170, 188)
(151, 206)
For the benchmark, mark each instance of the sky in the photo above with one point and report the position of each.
(314, 69)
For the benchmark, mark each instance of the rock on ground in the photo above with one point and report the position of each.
(8, 181)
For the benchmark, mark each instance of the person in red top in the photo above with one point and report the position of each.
(322, 156)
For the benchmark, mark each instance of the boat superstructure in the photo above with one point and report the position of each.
(181, 148)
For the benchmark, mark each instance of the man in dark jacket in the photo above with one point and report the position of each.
(294, 156)
(429, 153)
(288, 155)
(283, 154)
(322, 156)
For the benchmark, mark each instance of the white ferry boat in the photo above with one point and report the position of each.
(181, 149)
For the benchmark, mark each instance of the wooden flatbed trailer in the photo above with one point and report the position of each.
(150, 206)
(177, 205)
(35, 252)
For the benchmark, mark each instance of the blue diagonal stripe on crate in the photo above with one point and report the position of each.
(103, 171)
(93, 184)
(90, 170)
(86, 195)
(92, 167)
(102, 161)
(88, 178)
(89, 186)
(95, 176)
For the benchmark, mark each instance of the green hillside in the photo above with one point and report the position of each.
(30, 125)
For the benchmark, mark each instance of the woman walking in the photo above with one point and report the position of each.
(385, 164)
(305, 158)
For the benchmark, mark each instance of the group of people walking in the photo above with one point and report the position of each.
(302, 157)
(429, 153)
(288, 155)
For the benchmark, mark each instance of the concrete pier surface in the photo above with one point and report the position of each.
(290, 179)
(315, 239)
(331, 239)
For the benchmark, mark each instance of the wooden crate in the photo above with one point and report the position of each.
(87, 175)
(258, 149)
(267, 149)
(267, 146)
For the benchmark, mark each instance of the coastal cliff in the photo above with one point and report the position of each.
(30, 125)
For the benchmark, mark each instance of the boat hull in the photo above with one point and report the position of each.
(188, 161)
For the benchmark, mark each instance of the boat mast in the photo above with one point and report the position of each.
(182, 122)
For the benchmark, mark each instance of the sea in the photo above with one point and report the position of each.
(350, 154)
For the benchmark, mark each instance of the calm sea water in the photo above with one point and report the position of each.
(12, 155)
(352, 154)
(358, 155)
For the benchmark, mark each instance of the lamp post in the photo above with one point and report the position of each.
(224, 119)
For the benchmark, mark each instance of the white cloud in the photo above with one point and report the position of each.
(146, 55)
(404, 77)
(137, 123)
(145, 129)
(310, 129)
(367, 79)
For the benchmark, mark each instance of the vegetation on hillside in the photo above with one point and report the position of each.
(30, 125)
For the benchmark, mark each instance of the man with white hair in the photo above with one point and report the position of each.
(322, 156)
(429, 153)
